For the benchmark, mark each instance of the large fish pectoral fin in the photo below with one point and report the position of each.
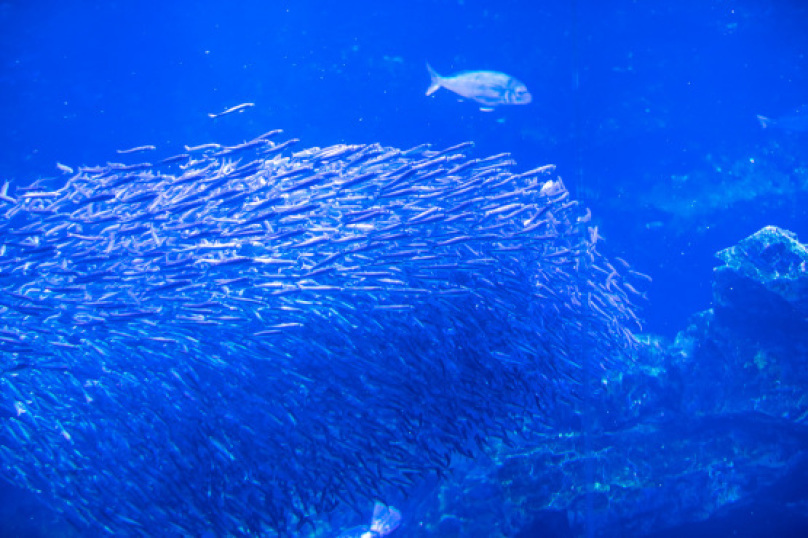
(434, 84)
(488, 102)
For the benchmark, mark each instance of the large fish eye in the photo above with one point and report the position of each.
(518, 95)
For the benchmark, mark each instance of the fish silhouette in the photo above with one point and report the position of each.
(796, 122)
(489, 88)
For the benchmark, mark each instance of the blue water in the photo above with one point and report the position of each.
(625, 97)
(648, 109)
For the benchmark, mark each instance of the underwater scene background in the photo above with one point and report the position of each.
(261, 336)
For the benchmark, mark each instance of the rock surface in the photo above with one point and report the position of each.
(762, 288)
(706, 434)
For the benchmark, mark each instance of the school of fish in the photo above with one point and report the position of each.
(242, 340)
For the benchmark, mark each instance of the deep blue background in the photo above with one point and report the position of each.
(629, 98)
(648, 108)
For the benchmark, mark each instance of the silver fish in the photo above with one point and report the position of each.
(490, 88)
(287, 268)
(64, 168)
(796, 122)
(137, 149)
(237, 108)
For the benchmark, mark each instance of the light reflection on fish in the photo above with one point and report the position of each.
(313, 329)
(489, 88)
(232, 109)
(796, 122)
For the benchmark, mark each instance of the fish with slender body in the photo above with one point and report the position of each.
(385, 520)
(796, 122)
(4, 194)
(252, 294)
(64, 168)
(489, 88)
(232, 109)
(137, 149)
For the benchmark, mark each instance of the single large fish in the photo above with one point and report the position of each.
(490, 88)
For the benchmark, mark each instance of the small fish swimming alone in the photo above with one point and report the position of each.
(490, 88)
(237, 108)
(137, 149)
(64, 168)
(796, 122)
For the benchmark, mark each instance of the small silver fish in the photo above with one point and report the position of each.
(490, 88)
(64, 168)
(237, 108)
(796, 122)
(137, 149)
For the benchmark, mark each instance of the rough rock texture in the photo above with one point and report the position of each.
(762, 290)
(754, 343)
(702, 435)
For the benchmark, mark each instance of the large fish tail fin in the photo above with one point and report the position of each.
(764, 121)
(435, 83)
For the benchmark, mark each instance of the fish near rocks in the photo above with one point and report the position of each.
(356, 315)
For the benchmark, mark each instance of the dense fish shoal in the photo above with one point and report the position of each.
(246, 339)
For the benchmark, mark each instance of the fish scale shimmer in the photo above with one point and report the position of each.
(244, 340)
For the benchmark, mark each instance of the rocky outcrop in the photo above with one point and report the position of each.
(707, 434)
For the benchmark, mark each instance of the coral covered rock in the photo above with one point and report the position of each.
(765, 281)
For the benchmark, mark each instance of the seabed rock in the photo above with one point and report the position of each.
(706, 435)
(753, 343)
